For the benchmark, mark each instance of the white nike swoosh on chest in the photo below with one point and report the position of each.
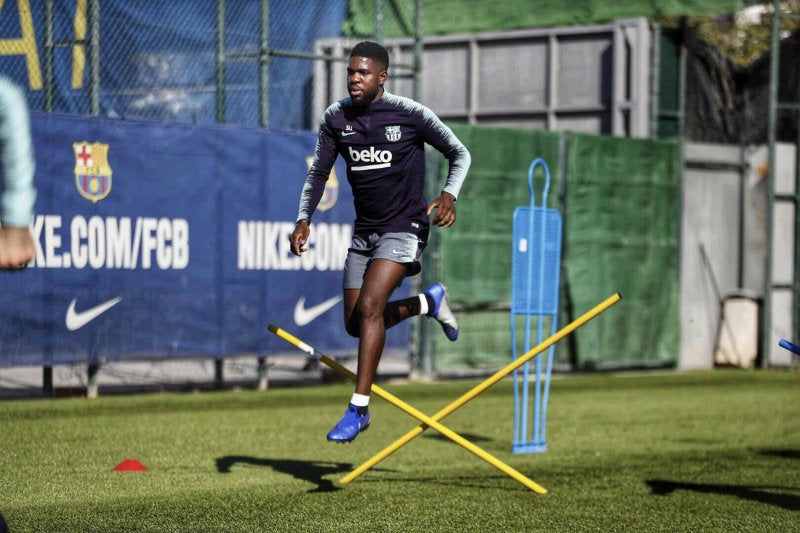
(76, 320)
(304, 316)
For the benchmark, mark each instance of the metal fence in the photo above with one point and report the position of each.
(239, 62)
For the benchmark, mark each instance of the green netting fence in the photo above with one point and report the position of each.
(619, 201)
(467, 16)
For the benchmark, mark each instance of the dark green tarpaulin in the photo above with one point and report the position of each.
(619, 201)
(477, 254)
(443, 17)
(622, 236)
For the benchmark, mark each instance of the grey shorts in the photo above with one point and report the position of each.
(398, 247)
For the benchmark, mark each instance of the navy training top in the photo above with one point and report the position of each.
(383, 147)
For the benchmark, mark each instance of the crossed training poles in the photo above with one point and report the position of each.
(433, 421)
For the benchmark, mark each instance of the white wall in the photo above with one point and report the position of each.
(724, 213)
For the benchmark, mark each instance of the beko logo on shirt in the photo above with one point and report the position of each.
(373, 158)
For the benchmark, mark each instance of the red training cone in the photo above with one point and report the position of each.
(130, 465)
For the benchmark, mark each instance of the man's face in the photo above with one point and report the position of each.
(365, 79)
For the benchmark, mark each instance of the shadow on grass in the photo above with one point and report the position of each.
(780, 452)
(503, 483)
(488, 444)
(757, 493)
(311, 471)
(431, 434)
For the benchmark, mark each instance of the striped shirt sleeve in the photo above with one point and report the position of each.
(441, 137)
(16, 152)
(324, 158)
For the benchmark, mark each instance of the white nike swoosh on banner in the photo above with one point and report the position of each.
(303, 316)
(76, 320)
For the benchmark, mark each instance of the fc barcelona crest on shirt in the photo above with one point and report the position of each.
(393, 133)
(92, 171)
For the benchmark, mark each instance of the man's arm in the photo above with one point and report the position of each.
(19, 195)
(445, 206)
(314, 187)
(16, 151)
(437, 134)
(16, 247)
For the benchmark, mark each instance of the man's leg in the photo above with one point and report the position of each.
(432, 302)
(366, 306)
(401, 250)
(393, 313)
(375, 267)
(382, 277)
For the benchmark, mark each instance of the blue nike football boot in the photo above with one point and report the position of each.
(441, 311)
(350, 425)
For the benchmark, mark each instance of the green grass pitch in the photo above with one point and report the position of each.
(696, 451)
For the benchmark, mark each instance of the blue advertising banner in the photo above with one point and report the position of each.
(164, 240)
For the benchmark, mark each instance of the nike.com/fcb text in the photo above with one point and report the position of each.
(144, 242)
(111, 242)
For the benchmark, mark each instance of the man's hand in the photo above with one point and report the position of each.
(445, 210)
(299, 237)
(16, 247)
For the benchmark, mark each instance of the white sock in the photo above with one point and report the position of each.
(423, 305)
(359, 400)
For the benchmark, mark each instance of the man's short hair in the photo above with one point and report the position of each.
(372, 51)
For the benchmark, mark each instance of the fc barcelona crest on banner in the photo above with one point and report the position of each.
(331, 194)
(393, 133)
(92, 171)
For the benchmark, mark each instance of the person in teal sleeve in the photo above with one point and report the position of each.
(19, 194)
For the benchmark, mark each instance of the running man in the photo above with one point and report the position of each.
(381, 137)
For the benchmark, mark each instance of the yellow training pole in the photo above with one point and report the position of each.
(475, 391)
(403, 406)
